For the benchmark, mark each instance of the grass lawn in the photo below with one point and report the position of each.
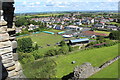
(108, 72)
(112, 22)
(95, 56)
(104, 32)
(42, 39)
(55, 31)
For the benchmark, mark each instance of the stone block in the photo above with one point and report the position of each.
(9, 64)
(3, 29)
(18, 66)
(4, 37)
(5, 61)
(12, 73)
(11, 68)
(15, 56)
(5, 44)
(7, 56)
(2, 22)
(14, 44)
(5, 50)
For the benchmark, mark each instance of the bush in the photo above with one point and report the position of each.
(64, 49)
(51, 52)
(26, 58)
(36, 55)
(62, 43)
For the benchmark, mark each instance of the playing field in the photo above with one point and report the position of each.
(42, 39)
(95, 56)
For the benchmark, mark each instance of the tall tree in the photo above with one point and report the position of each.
(25, 45)
(114, 35)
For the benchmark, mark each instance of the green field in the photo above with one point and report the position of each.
(104, 32)
(63, 63)
(42, 39)
(54, 30)
(95, 56)
(54, 14)
(108, 72)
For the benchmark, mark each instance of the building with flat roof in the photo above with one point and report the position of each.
(79, 41)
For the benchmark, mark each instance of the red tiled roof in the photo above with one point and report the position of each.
(93, 33)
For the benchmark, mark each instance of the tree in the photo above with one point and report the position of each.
(114, 35)
(36, 47)
(100, 38)
(25, 45)
(70, 48)
(21, 21)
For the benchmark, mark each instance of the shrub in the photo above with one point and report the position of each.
(26, 58)
(62, 43)
(64, 49)
(51, 52)
(36, 55)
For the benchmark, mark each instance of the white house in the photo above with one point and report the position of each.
(73, 27)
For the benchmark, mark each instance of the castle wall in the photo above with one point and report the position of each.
(9, 65)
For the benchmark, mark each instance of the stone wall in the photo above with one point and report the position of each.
(10, 68)
(86, 69)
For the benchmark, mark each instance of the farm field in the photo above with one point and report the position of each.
(95, 56)
(104, 32)
(54, 14)
(108, 72)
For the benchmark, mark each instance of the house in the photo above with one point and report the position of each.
(59, 27)
(18, 30)
(78, 23)
(85, 21)
(32, 27)
(67, 36)
(73, 27)
(112, 27)
(79, 41)
(99, 25)
(111, 19)
(92, 21)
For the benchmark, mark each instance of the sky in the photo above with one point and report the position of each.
(26, 6)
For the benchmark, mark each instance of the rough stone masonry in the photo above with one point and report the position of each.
(9, 65)
(86, 70)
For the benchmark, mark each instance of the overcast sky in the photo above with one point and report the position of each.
(64, 5)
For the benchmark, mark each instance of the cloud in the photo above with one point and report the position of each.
(113, 0)
(37, 2)
(24, 2)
